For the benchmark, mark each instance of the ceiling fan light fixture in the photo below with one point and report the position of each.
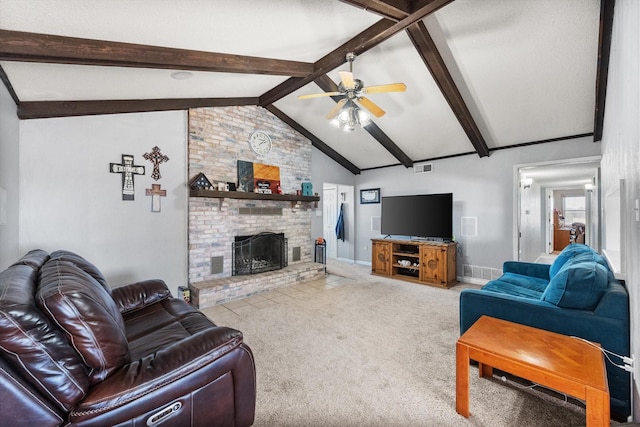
(349, 117)
(363, 117)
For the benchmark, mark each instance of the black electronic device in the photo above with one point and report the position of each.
(423, 215)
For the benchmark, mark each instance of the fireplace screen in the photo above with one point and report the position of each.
(259, 253)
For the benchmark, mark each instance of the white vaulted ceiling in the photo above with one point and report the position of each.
(526, 70)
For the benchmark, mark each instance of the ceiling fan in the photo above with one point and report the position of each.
(352, 90)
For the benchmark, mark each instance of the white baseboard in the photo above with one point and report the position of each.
(472, 280)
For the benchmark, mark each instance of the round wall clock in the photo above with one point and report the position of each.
(260, 142)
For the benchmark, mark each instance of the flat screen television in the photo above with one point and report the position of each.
(424, 216)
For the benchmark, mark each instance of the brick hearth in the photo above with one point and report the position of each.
(211, 292)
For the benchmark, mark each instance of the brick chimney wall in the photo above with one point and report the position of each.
(218, 138)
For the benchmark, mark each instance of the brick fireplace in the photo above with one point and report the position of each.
(218, 138)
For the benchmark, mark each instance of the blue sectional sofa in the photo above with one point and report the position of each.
(577, 295)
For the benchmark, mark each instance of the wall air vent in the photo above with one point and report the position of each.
(423, 168)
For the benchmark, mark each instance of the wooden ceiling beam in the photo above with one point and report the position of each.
(327, 63)
(315, 141)
(372, 128)
(32, 47)
(396, 10)
(369, 38)
(46, 109)
(602, 73)
(433, 60)
(5, 80)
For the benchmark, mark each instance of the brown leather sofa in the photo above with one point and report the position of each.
(74, 352)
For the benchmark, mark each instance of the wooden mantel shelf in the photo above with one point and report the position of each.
(293, 198)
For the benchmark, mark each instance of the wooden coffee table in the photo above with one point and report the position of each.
(565, 364)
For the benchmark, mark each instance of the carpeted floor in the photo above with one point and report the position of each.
(361, 350)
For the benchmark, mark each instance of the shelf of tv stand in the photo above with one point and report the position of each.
(213, 194)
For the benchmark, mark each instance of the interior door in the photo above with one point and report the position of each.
(329, 218)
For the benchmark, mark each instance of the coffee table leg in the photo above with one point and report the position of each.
(485, 371)
(462, 380)
(597, 403)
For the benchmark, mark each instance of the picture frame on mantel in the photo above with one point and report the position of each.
(370, 195)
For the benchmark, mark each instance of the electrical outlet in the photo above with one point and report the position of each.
(366, 247)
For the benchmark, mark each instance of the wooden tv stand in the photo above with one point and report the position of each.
(431, 263)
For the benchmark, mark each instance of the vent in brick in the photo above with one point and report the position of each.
(296, 253)
(217, 264)
(260, 211)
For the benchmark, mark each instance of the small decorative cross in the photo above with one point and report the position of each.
(155, 192)
(128, 170)
(156, 157)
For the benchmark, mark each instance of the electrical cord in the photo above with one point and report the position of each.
(627, 360)
(532, 386)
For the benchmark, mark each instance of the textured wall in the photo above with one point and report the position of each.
(218, 138)
(621, 156)
(70, 200)
(9, 155)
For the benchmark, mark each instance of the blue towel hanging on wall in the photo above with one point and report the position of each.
(340, 224)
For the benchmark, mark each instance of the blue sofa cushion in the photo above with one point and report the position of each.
(568, 253)
(534, 283)
(577, 285)
(509, 288)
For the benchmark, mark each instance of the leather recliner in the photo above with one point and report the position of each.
(75, 352)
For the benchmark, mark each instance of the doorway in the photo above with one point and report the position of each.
(338, 200)
(544, 191)
(329, 218)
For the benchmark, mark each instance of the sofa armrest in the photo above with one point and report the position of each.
(170, 372)
(136, 296)
(530, 269)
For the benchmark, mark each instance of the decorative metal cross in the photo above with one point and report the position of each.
(127, 169)
(156, 157)
(155, 192)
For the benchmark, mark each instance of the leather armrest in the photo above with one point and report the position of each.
(138, 295)
(162, 368)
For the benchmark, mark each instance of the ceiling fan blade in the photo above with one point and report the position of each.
(371, 106)
(335, 109)
(318, 95)
(347, 79)
(392, 87)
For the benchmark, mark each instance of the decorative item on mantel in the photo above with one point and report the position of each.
(258, 178)
(200, 182)
(307, 189)
(128, 170)
(156, 157)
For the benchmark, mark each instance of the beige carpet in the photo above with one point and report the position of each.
(377, 352)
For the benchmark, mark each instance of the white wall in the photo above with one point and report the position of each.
(482, 188)
(621, 154)
(9, 141)
(70, 200)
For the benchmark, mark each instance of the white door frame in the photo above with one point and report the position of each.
(517, 189)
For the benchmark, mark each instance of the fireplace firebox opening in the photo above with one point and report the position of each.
(259, 253)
